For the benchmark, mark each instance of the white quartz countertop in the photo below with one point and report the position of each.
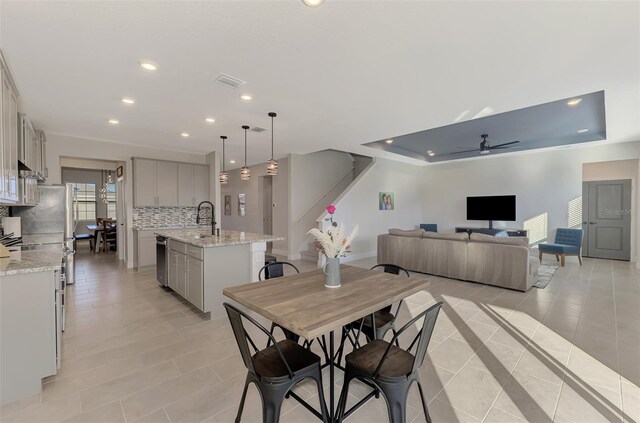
(195, 237)
(32, 261)
(43, 239)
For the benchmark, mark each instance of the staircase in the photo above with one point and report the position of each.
(310, 254)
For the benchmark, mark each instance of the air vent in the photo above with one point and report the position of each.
(229, 81)
(257, 129)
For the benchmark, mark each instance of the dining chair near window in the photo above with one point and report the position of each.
(391, 369)
(274, 370)
(384, 318)
(110, 236)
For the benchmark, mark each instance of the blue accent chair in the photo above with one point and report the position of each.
(568, 242)
(429, 227)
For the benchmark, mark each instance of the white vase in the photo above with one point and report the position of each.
(332, 271)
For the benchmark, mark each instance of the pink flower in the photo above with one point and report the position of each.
(331, 209)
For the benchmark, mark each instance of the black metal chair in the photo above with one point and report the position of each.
(274, 370)
(391, 369)
(273, 270)
(384, 318)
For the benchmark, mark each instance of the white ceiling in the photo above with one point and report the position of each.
(338, 75)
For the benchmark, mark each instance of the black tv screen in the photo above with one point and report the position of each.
(498, 207)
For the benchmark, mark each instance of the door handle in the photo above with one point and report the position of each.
(593, 223)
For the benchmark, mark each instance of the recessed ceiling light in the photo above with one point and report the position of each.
(128, 100)
(114, 121)
(582, 131)
(431, 153)
(245, 97)
(574, 101)
(232, 161)
(210, 120)
(389, 141)
(313, 3)
(147, 65)
(184, 134)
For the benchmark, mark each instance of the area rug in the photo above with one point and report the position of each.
(545, 273)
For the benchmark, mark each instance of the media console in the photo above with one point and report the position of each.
(492, 231)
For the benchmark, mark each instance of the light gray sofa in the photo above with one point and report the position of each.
(499, 261)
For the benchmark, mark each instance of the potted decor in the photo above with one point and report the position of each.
(332, 243)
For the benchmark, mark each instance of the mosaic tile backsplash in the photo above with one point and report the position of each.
(151, 217)
(4, 212)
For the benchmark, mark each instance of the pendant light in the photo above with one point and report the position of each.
(245, 172)
(224, 175)
(272, 165)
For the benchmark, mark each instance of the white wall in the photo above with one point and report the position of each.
(544, 182)
(67, 146)
(359, 206)
(252, 220)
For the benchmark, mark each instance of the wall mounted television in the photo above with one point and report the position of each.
(496, 207)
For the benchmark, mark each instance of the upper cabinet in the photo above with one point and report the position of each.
(159, 183)
(8, 138)
(22, 148)
(193, 184)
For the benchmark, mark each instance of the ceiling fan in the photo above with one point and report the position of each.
(485, 147)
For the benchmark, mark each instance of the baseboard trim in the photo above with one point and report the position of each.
(280, 253)
(293, 257)
(359, 256)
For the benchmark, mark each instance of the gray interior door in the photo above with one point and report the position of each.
(607, 219)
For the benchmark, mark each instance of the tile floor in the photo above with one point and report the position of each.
(134, 352)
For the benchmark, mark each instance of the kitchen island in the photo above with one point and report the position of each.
(201, 265)
(30, 321)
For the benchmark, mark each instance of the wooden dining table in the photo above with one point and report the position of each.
(97, 229)
(302, 304)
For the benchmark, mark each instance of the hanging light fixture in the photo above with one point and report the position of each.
(224, 175)
(245, 172)
(272, 165)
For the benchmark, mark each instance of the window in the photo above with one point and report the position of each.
(111, 205)
(85, 201)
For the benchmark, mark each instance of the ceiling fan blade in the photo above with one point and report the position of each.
(504, 145)
(460, 152)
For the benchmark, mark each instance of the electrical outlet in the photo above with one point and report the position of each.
(156, 216)
(136, 216)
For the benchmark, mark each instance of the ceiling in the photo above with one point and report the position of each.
(339, 75)
(564, 122)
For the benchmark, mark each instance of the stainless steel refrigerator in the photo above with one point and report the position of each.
(54, 214)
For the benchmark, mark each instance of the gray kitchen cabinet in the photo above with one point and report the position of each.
(145, 249)
(144, 183)
(8, 138)
(200, 183)
(195, 281)
(31, 332)
(193, 184)
(27, 143)
(185, 185)
(181, 275)
(167, 187)
(155, 183)
(172, 269)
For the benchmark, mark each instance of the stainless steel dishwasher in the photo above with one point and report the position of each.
(161, 260)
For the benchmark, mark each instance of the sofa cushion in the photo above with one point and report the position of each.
(414, 233)
(506, 240)
(462, 236)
